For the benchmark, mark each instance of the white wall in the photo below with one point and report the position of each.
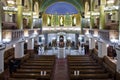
(51, 36)
(71, 36)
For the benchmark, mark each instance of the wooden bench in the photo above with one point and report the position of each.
(36, 64)
(37, 61)
(83, 64)
(31, 76)
(97, 79)
(88, 71)
(82, 61)
(85, 67)
(36, 67)
(89, 76)
(20, 79)
(33, 71)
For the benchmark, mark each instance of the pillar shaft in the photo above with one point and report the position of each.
(19, 14)
(19, 50)
(119, 19)
(31, 21)
(1, 61)
(91, 16)
(102, 14)
(102, 49)
(46, 38)
(20, 17)
(0, 21)
(19, 2)
(30, 45)
(118, 59)
(91, 43)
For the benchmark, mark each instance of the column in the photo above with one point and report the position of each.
(31, 17)
(1, 21)
(91, 44)
(91, 16)
(118, 59)
(19, 49)
(102, 49)
(119, 19)
(76, 37)
(1, 60)
(31, 21)
(19, 14)
(30, 45)
(46, 38)
(102, 14)
(20, 17)
(2, 49)
(118, 49)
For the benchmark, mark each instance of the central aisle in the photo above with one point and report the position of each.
(61, 70)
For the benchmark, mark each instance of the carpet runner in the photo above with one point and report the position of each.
(61, 70)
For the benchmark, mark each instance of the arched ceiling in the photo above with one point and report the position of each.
(61, 8)
(79, 4)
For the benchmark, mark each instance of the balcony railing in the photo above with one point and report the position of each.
(12, 35)
(107, 35)
(104, 34)
(9, 35)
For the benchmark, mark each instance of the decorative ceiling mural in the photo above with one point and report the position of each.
(61, 8)
(78, 4)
